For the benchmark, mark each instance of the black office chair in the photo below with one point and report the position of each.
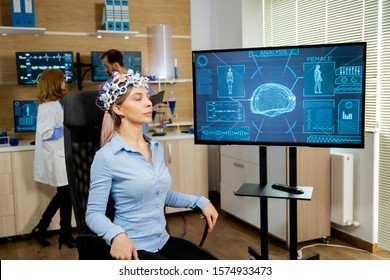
(82, 125)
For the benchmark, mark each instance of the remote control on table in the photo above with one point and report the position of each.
(285, 188)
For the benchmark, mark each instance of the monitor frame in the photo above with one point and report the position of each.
(69, 71)
(199, 114)
(96, 57)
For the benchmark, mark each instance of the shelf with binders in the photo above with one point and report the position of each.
(116, 33)
(13, 30)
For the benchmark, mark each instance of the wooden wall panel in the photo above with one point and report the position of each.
(175, 13)
(85, 16)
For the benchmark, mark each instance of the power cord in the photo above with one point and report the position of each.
(339, 246)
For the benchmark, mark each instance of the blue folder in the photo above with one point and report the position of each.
(108, 15)
(17, 12)
(29, 13)
(117, 15)
(125, 15)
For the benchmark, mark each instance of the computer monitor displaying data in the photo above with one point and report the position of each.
(131, 60)
(25, 115)
(310, 95)
(31, 64)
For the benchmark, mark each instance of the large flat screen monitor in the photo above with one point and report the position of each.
(131, 60)
(31, 64)
(310, 95)
(25, 115)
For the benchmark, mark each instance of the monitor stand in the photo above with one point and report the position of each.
(292, 157)
(264, 191)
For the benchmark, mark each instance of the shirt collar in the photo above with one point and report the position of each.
(118, 144)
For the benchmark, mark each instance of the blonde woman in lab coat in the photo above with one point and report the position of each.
(49, 160)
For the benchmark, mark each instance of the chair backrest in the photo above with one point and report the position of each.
(82, 126)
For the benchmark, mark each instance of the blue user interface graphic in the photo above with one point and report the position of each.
(30, 65)
(309, 95)
(25, 115)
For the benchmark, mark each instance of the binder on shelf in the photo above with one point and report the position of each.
(108, 15)
(117, 15)
(125, 15)
(17, 12)
(29, 13)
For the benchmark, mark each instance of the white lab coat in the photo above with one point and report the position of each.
(49, 159)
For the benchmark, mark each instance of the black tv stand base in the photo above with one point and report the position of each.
(255, 255)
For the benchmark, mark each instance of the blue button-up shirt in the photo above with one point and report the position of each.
(140, 191)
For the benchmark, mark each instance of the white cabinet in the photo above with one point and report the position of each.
(31, 198)
(7, 211)
(240, 164)
(187, 164)
(235, 172)
(22, 200)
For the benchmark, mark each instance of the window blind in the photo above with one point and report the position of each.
(332, 21)
(384, 132)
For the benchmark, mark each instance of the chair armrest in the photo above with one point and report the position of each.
(206, 227)
(92, 247)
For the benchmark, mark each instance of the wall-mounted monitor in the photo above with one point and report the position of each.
(25, 115)
(310, 95)
(31, 64)
(131, 60)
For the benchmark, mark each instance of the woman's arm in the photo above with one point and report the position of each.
(100, 188)
(48, 123)
(177, 199)
(53, 134)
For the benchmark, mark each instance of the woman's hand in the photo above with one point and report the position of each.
(211, 215)
(122, 248)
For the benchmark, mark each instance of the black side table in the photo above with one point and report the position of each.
(264, 192)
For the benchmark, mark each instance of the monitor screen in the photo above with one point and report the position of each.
(131, 60)
(310, 95)
(31, 64)
(25, 115)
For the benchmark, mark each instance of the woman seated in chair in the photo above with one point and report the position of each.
(130, 167)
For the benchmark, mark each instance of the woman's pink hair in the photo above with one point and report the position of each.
(111, 121)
